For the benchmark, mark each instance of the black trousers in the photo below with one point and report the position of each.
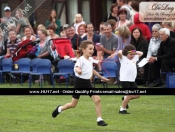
(165, 65)
(126, 84)
(153, 72)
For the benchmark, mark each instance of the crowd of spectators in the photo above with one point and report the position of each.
(119, 28)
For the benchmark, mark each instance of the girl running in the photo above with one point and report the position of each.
(128, 72)
(83, 71)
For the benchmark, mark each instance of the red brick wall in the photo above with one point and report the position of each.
(13, 4)
(43, 12)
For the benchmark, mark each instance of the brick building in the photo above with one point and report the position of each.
(92, 10)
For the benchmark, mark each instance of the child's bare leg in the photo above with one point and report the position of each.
(96, 100)
(126, 101)
(72, 104)
(128, 98)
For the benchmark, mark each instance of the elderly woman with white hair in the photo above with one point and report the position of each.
(165, 58)
(154, 45)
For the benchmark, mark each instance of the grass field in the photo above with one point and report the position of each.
(33, 114)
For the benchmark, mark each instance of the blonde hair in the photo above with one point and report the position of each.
(124, 31)
(41, 26)
(78, 15)
(21, 11)
(44, 31)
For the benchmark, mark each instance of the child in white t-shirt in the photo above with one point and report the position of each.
(128, 72)
(78, 21)
(83, 71)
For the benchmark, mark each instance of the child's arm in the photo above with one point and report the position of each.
(99, 76)
(119, 53)
(8, 52)
(139, 53)
(78, 70)
(101, 57)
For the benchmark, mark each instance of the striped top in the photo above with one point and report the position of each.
(11, 46)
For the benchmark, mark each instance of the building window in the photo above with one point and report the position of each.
(63, 12)
(86, 11)
(3, 5)
(72, 10)
(109, 2)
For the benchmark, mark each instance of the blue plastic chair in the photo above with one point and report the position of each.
(170, 79)
(109, 59)
(65, 68)
(33, 66)
(34, 63)
(7, 66)
(23, 67)
(43, 68)
(109, 69)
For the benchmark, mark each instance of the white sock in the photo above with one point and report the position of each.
(59, 109)
(121, 109)
(99, 119)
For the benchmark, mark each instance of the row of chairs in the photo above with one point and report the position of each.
(37, 67)
(42, 67)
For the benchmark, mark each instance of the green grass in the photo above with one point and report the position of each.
(33, 114)
(57, 85)
(46, 85)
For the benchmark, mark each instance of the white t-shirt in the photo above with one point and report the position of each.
(86, 67)
(128, 69)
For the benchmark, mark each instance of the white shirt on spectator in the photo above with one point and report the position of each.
(86, 67)
(128, 69)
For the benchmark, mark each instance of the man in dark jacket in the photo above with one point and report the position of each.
(75, 38)
(165, 59)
